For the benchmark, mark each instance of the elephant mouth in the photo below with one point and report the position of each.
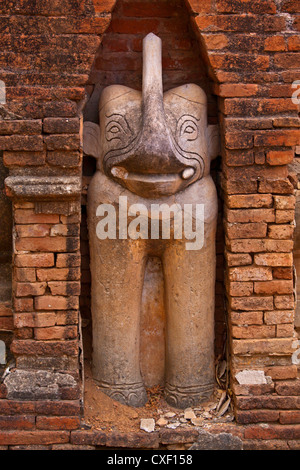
(152, 184)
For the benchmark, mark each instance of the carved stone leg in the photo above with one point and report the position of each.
(117, 268)
(190, 286)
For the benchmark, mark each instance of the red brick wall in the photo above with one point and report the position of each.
(251, 49)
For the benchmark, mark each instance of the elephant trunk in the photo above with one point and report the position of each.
(152, 91)
(154, 151)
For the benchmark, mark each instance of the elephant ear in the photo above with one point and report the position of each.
(91, 139)
(213, 140)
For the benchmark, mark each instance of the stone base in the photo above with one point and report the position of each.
(128, 394)
(184, 397)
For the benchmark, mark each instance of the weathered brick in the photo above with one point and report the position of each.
(6, 323)
(285, 331)
(64, 288)
(286, 121)
(250, 215)
(266, 106)
(284, 301)
(247, 230)
(215, 41)
(273, 259)
(254, 389)
(279, 157)
(17, 158)
(285, 202)
(283, 273)
(32, 230)
(47, 244)
(286, 138)
(68, 260)
(64, 159)
(48, 302)
(287, 60)
(22, 142)
(274, 317)
(63, 142)
(234, 259)
(17, 422)
(56, 333)
(5, 309)
(249, 200)
(65, 230)
(32, 260)
(283, 217)
(272, 402)
(254, 171)
(68, 317)
(242, 158)
(61, 125)
(281, 91)
(274, 287)
(89, 437)
(30, 347)
(250, 273)
(228, 90)
(57, 422)
(256, 416)
(279, 186)
(58, 408)
(24, 333)
(275, 43)
(284, 232)
(239, 186)
(289, 417)
(273, 431)
(34, 319)
(237, 61)
(246, 6)
(290, 6)
(261, 246)
(288, 388)
(22, 126)
(25, 289)
(243, 23)
(23, 304)
(15, 407)
(58, 274)
(33, 437)
(293, 43)
(277, 346)
(240, 288)
(28, 216)
(251, 303)
(246, 318)
(282, 372)
(257, 331)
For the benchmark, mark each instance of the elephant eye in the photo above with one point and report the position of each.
(113, 129)
(117, 127)
(187, 128)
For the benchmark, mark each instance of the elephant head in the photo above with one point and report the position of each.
(153, 143)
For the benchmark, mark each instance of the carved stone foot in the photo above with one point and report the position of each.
(184, 397)
(132, 395)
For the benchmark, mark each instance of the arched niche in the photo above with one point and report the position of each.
(119, 61)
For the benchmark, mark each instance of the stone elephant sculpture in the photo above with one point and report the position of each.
(152, 147)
